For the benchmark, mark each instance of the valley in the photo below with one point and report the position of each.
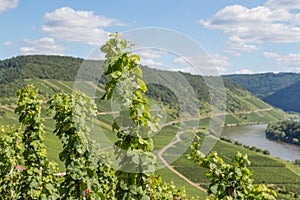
(242, 108)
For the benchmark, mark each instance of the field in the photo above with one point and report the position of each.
(264, 168)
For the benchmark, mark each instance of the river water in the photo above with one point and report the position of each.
(254, 135)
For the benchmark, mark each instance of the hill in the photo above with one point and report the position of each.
(21, 70)
(242, 106)
(286, 98)
(264, 84)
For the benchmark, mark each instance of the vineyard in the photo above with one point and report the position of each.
(28, 173)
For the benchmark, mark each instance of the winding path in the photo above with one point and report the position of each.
(172, 168)
(160, 153)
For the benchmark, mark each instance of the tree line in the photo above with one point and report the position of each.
(286, 131)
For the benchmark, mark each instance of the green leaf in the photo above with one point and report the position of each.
(214, 188)
(142, 85)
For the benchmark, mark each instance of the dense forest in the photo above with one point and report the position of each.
(278, 89)
(264, 84)
(14, 70)
(286, 98)
(285, 131)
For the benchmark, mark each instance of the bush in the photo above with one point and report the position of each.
(266, 152)
(238, 143)
(259, 150)
(253, 148)
(226, 139)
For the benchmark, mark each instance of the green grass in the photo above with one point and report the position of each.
(169, 176)
(60, 85)
(164, 137)
(265, 168)
(5, 121)
(231, 119)
(258, 104)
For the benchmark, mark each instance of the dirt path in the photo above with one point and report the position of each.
(160, 155)
(95, 86)
(216, 115)
(5, 107)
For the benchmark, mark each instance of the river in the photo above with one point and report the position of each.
(254, 135)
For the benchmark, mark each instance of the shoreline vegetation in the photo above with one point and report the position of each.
(287, 131)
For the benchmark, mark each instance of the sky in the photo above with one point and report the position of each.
(245, 36)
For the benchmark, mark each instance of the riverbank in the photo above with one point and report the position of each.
(254, 135)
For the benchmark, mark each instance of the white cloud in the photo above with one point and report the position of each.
(8, 4)
(152, 57)
(8, 43)
(235, 46)
(78, 26)
(149, 54)
(151, 63)
(243, 71)
(283, 4)
(292, 60)
(202, 64)
(237, 16)
(44, 45)
(247, 27)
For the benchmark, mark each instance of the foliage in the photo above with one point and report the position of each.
(159, 189)
(229, 181)
(85, 170)
(89, 174)
(285, 131)
(134, 125)
(11, 150)
(38, 180)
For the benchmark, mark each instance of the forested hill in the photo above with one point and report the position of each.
(281, 90)
(286, 98)
(39, 66)
(15, 73)
(264, 84)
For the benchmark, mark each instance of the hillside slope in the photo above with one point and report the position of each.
(14, 71)
(286, 98)
(241, 106)
(264, 84)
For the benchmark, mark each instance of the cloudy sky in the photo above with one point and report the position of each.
(245, 36)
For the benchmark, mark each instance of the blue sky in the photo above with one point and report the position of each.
(245, 36)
